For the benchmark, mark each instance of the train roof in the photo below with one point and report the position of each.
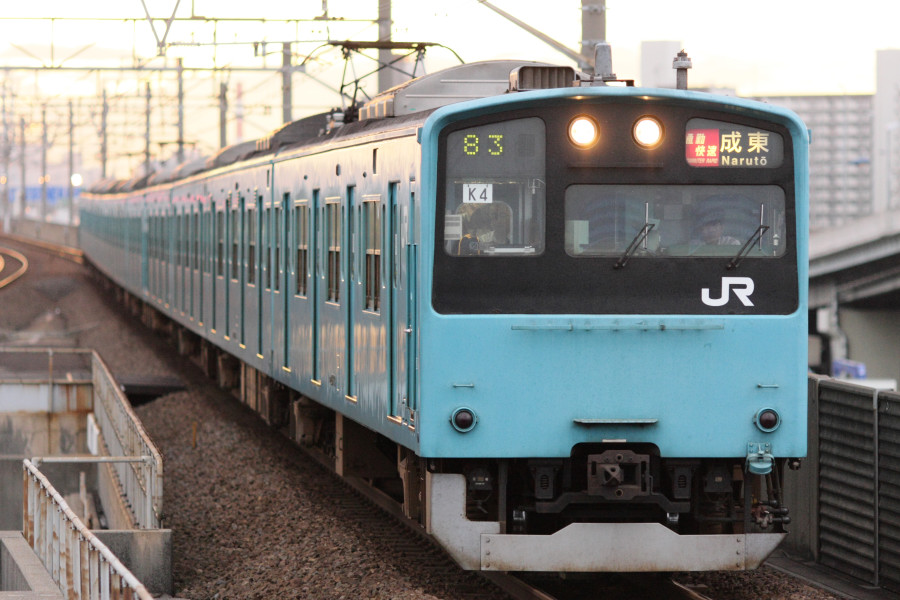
(402, 104)
(460, 83)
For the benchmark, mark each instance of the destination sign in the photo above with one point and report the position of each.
(710, 143)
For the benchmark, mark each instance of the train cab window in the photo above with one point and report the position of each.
(689, 220)
(495, 190)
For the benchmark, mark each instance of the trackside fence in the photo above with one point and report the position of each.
(82, 566)
(856, 432)
(124, 435)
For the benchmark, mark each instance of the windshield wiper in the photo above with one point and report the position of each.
(745, 249)
(633, 246)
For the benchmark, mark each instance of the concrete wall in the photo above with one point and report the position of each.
(21, 571)
(146, 552)
(26, 435)
(52, 233)
(872, 338)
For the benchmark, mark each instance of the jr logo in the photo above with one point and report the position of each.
(741, 286)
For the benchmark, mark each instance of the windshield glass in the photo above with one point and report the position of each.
(688, 220)
(496, 190)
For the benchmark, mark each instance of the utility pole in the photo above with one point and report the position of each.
(22, 195)
(593, 27)
(180, 155)
(7, 207)
(104, 111)
(223, 115)
(147, 135)
(239, 114)
(71, 161)
(286, 77)
(385, 56)
(44, 163)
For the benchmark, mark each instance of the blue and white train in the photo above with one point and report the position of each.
(563, 322)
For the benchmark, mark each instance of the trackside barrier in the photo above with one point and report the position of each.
(82, 566)
(124, 435)
(60, 385)
(855, 449)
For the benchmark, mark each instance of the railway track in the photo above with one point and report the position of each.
(6, 279)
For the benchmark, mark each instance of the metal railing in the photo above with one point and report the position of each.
(47, 385)
(82, 565)
(141, 480)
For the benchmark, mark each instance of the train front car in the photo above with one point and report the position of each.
(613, 372)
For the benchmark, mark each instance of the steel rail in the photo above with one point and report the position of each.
(19, 272)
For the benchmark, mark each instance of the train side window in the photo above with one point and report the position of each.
(301, 235)
(251, 245)
(195, 236)
(276, 245)
(333, 242)
(372, 241)
(220, 243)
(266, 241)
(235, 244)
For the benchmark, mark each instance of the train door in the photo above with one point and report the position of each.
(276, 307)
(207, 275)
(169, 273)
(195, 296)
(145, 247)
(263, 311)
(396, 304)
(233, 266)
(240, 274)
(177, 248)
(403, 306)
(331, 323)
(315, 291)
(373, 342)
(285, 257)
(411, 330)
(351, 282)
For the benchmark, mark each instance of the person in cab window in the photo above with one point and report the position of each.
(712, 233)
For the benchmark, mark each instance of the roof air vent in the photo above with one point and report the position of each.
(532, 77)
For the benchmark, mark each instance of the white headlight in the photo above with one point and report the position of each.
(648, 132)
(584, 132)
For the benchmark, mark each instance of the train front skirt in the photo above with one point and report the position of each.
(583, 547)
